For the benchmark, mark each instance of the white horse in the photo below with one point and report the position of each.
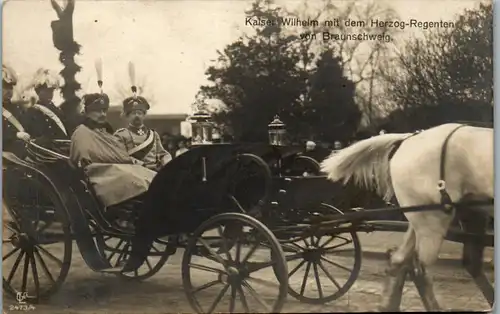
(412, 173)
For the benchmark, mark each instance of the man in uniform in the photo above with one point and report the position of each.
(44, 121)
(114, 175)
(12, 132)
(141, 142)
(12, 129)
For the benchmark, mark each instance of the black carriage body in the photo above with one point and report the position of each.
(195, 186)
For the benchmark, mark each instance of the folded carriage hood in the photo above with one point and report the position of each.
(173, 203)
(178, 189)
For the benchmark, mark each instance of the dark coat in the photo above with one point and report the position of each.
(9, 138)
(41, 127)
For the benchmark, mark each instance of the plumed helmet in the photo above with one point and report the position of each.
(8, 75)
(95, 101)
(46, 78)
(134, 102)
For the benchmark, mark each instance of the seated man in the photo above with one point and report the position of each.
(141, 142)
(115, 176)
(12, 129)
(43, 120)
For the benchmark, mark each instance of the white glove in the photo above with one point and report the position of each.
(23, 136)
(137, 162)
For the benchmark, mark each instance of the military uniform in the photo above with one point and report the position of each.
(45, 122)
(144, 144)
(11, 114)
(141, 142)
(11, 125)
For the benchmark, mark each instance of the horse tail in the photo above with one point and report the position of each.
(366, 162)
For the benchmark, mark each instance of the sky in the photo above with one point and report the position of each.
(171, 43)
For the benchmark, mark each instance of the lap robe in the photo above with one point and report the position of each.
(116, 183)
(112, 173)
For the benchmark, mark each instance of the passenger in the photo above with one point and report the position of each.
(183, 143)
(44, 121)
(115, 176)
(141, 142)
(12, 129)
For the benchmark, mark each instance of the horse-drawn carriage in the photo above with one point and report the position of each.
(243, 213)
(208, 190)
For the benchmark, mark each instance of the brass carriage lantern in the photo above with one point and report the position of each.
(277, 132)
(202, 128)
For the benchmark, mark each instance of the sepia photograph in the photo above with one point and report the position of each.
(253, 156)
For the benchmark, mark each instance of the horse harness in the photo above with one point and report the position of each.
(445, 197)
(446, 201)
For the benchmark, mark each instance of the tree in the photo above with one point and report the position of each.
(62, 36)
(262, 75)
(332, 107)
(445, 76)
(256, 78)
(360, 60)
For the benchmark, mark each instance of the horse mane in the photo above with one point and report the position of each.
(366, 162)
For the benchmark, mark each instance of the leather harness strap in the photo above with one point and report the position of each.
(445, 197)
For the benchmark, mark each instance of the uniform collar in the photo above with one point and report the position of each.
(50, 105)
(98, 126)
(141, 130)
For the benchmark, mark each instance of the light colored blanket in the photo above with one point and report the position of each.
(112, 173)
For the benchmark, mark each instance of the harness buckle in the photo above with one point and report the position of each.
(441, 185)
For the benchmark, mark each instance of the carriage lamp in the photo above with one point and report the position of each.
(277, 132)
(202, 128)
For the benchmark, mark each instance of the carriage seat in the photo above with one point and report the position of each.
(60, 165)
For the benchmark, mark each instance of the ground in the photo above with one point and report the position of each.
(88, 292)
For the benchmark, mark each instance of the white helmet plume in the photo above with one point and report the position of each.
(98, 68)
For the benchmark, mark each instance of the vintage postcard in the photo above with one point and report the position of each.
(256, 156)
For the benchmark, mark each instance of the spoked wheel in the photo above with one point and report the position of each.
(117, 250)
(303, 165)
(251, 181)
(225, 269)
(37, 243)
(323, 268)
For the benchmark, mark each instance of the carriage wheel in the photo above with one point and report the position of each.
(323, 268)
(117, 251)
(37, 243)
(304, 165)
(241, 270)
(251, 171)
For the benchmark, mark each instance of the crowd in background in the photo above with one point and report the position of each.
(175, 144)
(178, 144)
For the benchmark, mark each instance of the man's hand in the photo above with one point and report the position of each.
(137, 162)
(23, 136)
